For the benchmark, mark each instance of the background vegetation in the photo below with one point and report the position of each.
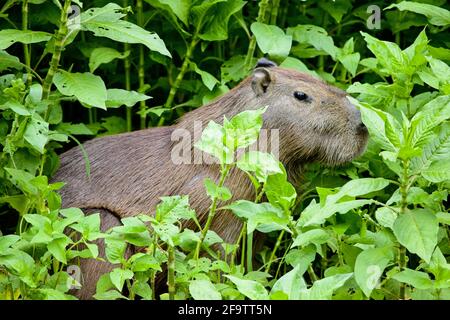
(376, 228)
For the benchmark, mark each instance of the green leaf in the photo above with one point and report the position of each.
(104, 55)
(179, 7)
(57, 247)
(36, 133)
(358, 187)
(173, 208)
(217, 28)
(8, 61)
(437, 172)
(261, 163)
(211, 142)
(323, 289)
(105, 22)
(369, 267)
(7, 241)
(250, 288)
(436, 15)
(11, 36)
(417, 279)
(119, 276)
(417, 230)
(260, 216)
(314, 36)
(16, 107)
(243, 129)
(272, 40)
(234, 69)
(119, 97)
(208, 79)
(291, 283)
(315, 236)
(203, 290)
(214, 191)
(280, 192)
(386, 217)
(86, 87)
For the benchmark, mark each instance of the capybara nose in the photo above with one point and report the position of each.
(362, 128)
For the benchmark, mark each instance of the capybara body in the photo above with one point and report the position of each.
(130, 171)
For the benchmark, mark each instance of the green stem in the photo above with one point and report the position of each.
(263, 4)
(272, 255)
(250, 252)
(127, 66)
(141, 71)
(171, 273)
(212, 210)
(274, 12)
(26, 48)
(180, 76)
(404, 186)
(58, 47)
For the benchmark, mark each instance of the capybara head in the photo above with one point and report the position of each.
(317, 121)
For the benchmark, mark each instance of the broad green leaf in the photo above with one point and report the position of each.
(119, 97)
(8, 61)
(358, 187)
(234, 68)
(261, 216)
(57, 247)
(212, 142)
(105, 22)
(417, 230)
(438, 171)
(314, 36)
(203, 290)
(20, 264)
(315, 214)
(437, 149)
(369, 267)
(337, 9)
(173, 208)
(217, 28)
(36, 133)
(104, 55)
(386, 217)
(250, 288)
(119, 276)
(15, 106)
(214, 191)
(376, 126)
(208, 79)
(323, 289)
(11, 36)
(279, 191)
(272, 40)
(291, 283)
(243, 129)
(86, 87)
(7, 241)
(261, 163)
(436, 15)
(417, 279)
(179, 7)
(315, 236)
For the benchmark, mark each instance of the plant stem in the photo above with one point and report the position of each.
(274, 12)
(171, 272)
(404, 186)
(59, 45)
(263, 4)
(127, 66)
(250, 252)
(180, 76)
(141, 71)
(26, 49)
(275, 248)
(212, 210)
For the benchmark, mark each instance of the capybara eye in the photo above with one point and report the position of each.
(300, 95)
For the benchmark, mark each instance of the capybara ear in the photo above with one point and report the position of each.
(261, 80)
(263, 62)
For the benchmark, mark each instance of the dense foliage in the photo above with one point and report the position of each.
(376, 228)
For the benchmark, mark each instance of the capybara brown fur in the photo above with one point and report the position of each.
(130, 171)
